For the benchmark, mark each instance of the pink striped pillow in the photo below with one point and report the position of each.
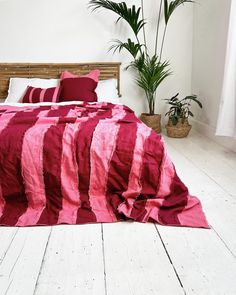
(33, 95)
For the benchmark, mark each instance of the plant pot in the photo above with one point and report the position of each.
(152, 121)
(180, 130)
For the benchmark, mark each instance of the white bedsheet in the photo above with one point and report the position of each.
(19, 104)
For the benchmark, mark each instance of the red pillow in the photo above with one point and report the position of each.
(33, 95)
(78, 89)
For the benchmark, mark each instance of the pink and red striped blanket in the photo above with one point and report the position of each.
(74, 164)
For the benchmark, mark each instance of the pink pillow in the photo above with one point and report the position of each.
(94, 74)
(33, 95)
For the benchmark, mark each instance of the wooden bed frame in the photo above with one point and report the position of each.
(53, 70)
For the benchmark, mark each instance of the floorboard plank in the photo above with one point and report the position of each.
(7, 235)
(136, 261)
(20, 266)
(203, 264)
(213, 164)
(219, 206)
(73, 262)
(210, 147)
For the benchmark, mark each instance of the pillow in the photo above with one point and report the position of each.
(107, 91)
(33, 95)
(78, 89)
(94, 74)
(18, 86)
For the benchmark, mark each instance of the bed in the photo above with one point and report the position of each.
(76, 162)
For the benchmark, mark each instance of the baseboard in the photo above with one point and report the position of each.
(209, 131)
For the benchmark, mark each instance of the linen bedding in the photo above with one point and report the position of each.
(85, 163)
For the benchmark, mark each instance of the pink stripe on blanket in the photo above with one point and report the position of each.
(69, 176)
(4, 120)
(134, 185)
(192, 215)
(152, 209)
(101, 152)
(32, 170)
(167, 174)
(118, 112)
(43, 114)
(73, 113)
(102, 148)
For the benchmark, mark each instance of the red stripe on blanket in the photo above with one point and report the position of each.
(10, 158)
(5, 119)
(83, 142)
(152, 155)
(52, 153)
(121, 161)
(134, 186)
(175, 202)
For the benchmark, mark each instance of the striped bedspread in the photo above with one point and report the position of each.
(87, 163)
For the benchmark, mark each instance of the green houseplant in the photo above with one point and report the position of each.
(178, 125)
(150, 69)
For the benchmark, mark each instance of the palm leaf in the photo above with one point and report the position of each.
(169, 8)
(130, 46)
(151, 73)
(131, 15)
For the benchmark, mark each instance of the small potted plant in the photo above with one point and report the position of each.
(178, 125)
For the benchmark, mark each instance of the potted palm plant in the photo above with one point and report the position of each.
(150, 69)
(178, 125)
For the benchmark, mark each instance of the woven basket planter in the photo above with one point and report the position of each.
(180, 130)
(152, 121)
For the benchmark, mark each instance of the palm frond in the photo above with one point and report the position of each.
(151, 73)
(130, 46)
(131, 15)
(169, 8)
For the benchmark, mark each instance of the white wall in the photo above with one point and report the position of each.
(211, 20)
(66, 31)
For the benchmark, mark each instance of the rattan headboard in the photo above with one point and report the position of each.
(53, 70)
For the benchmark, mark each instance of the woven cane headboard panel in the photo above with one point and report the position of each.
(53, 70)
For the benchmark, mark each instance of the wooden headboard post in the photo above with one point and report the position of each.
(53, 70)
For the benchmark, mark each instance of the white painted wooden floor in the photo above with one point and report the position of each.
(133, 258)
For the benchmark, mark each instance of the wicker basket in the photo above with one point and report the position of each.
(152, 121)
(180, 130)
